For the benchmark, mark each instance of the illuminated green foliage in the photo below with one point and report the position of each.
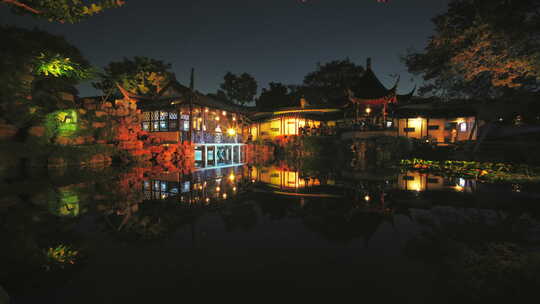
(60, 256)
(62, 11)
(60, 66)
(64, 203)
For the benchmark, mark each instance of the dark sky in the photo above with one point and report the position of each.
(274, 40)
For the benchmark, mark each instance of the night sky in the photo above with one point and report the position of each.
(274, 40)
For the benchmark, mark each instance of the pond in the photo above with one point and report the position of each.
(132, 235)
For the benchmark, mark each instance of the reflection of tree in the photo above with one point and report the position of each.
(483, 256)
(239, 217)
(149, 220)
(342, 221)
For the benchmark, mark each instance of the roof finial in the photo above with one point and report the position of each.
(368, 63)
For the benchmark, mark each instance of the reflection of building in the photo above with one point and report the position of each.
(418, 181)
(283, 179)
(203, 186)
(438, 125)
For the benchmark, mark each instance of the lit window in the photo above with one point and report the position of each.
(463, 127)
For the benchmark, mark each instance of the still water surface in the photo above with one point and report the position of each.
(147, 237)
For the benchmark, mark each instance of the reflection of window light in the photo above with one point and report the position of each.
(185, 187)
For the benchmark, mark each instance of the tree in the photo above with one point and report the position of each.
(140, 76)
(277, 95)
(71, 11)
(239, 89)
(330, 82)
(481, 48)
(34, 67)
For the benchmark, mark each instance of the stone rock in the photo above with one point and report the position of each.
(82, 111)
(4, 298)
(37, 131)
(106, 105)
(63, 141)
(56, 162)
(66, 96)
(98, 125)
(9, 201)
(40, 199)
(79, 140)
(7, 131)
(100, 113)
(122, 112)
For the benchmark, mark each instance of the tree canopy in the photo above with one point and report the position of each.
(140, 76)
(330, 82)
(481, 48)
(70, 11)
(49, 59)
(240, 89)
(275, 96)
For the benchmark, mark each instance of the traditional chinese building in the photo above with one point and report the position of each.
(369, 100)
(217, 129)
(442, 125)
(291, 121)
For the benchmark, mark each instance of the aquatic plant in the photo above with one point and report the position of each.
(471, 169)
(60, 256)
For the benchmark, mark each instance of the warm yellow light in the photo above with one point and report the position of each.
(367, 198)
(207, 200)
(458, 188)
(231, 177)
(231, 132)
(368, 110)
(224, 113)
(415, 122)
(218, 189)
(234, 189)
(206, 110)
(224, 195)
(217, 118)
(252, 180)
(415, 186)
(200, 118)
(234, 118)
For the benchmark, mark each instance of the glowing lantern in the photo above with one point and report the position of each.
(231, 132)
(368, 110)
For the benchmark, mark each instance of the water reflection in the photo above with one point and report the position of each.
(226, 220)
(419, 181)
(200, 187)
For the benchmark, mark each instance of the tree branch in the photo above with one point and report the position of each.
(22, 5)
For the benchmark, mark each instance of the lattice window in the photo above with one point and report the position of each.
(160, 121)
